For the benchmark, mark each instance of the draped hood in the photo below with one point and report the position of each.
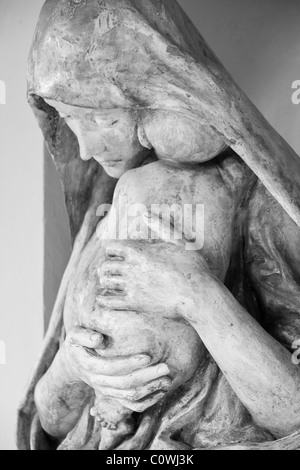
(144, 54)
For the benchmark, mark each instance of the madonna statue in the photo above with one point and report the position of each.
(162, 342)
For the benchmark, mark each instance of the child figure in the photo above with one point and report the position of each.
(219, 188)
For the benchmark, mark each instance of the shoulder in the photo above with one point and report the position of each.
(224, 175)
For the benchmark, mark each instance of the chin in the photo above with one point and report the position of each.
(114, 171)
(119, 169)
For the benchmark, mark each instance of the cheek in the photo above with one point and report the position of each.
(125, 145)
(180, 139)
(118, 136)
(89, 139)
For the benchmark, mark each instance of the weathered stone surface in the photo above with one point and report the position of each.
(160, 341)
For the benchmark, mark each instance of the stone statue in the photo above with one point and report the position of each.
(157, 342)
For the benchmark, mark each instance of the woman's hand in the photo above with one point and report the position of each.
(160, 279)
(132, 381)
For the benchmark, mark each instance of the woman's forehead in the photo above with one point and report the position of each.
(67, 108)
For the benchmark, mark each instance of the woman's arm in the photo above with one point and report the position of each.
(62, 394)
(60, 401)
(259, 369)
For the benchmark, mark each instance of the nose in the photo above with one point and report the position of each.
(86, 149)
(84, 155)
(85, 152)
(90, 146)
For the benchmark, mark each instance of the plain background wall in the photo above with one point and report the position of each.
(21, 215)
(257, 40)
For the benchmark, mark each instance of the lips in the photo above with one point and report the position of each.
(112, 164)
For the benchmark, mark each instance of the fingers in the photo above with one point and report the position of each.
(140, 407)
(109, 367)
(115, 302)
(112, 283)
(113, 276)
(113, 268)
(138, 378)
(116, 250)
(82, 344)
(130, 251)
(159, 385)
(86, 337)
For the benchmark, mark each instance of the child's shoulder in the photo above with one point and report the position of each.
(152, 175)
(162, 171)
(225, 176)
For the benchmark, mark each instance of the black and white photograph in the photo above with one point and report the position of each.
(150, 227)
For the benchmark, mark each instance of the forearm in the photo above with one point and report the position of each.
(259, 369)
(60, 400)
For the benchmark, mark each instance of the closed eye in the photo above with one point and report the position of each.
(100, 123)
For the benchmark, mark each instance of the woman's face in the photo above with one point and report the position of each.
(120, 139)
(109, 136)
